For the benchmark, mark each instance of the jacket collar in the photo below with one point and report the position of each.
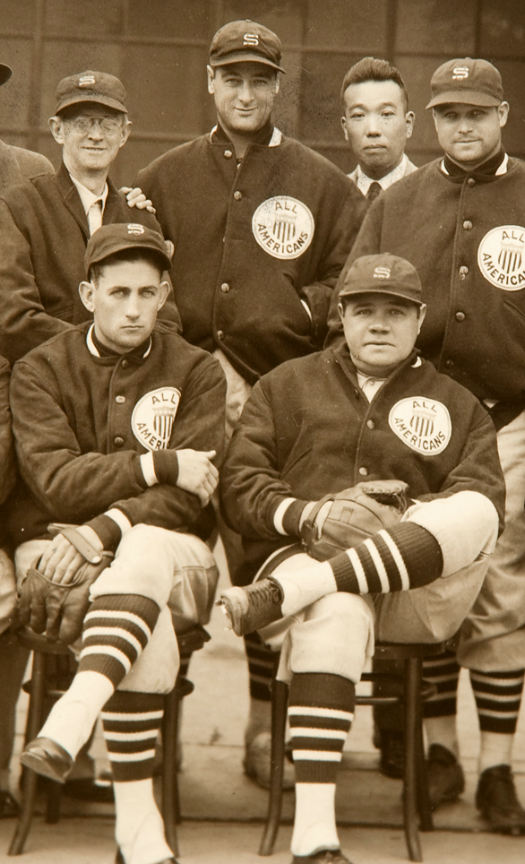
(269, 136)
(96, 349)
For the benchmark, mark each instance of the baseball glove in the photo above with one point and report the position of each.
(56, 609)
(345, 518)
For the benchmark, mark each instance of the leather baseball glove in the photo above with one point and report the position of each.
(55, 609)
(346, 518)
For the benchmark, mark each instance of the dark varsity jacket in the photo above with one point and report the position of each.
(308, 430)
(258, 245)
(81, 420)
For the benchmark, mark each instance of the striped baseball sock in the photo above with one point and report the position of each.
(117, 627)
(131, 722)
(439, 709)
(405, 556)
(498, 700)
(320, 714)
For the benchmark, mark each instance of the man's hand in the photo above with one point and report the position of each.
(136, 198)
(197, 473)
(60, 562)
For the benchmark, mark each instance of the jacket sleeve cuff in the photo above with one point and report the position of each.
(107, 530)
(287, 516)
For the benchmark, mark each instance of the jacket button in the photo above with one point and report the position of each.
(449, 363)
(124, 364)
(370, 424)
(471, 181)
(228, 154)
(463, 271)
(467, 225)
(237, 195)
(225, 287)
(120, 400)
(363, 471)
(220, 334)
(118, 441)
(460, 316)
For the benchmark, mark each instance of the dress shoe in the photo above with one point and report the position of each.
(119, 859)
(392, 749)
(497, 801)
(325, 856)
(257, 762)
(9, 807)
(445, 776)
(46, 757)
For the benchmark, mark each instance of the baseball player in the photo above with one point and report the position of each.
(261, 226)
(45, 221)
(460, 221)
(376, 124)
(117, 427)
(369, 410)
(16, 163)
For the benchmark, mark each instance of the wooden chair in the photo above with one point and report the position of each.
(413, 691)
(52, 669)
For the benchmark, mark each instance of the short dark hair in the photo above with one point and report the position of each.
(374, 69)
(130, 255)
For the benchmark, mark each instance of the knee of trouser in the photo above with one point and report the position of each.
(156, 669)
(336, 635)
(143, 564)
(465, 525)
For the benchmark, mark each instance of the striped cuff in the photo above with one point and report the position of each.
(287, 517)
(148, 469)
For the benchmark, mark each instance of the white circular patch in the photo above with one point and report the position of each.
(422, 424)
(283, 226)
(501, 257)
(153, 417)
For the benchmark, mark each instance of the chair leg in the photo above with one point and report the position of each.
(426, 822)
(170, 796)
(412, 726)
(29, 778)
(279, 704)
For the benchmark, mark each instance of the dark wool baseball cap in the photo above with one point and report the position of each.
(245, 41)
(5, 73)
(383, 274)
(90, 86)
(110, 239)
(468, 81)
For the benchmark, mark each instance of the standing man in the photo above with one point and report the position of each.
(261, 226)
(45, 222)
(16, 164)
(377, 124)
(117, 424)
(463, 227)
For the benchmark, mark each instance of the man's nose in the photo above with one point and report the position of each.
(245, 92)
(372, 125)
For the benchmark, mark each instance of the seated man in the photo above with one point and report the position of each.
(117, 426)
(369, 410)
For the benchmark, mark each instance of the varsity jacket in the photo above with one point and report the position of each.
(465, 234)
(258, 245)
(308, 430)
(81, 420)
(17, 163)
(43, 236)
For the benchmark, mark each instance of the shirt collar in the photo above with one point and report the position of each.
(363, 181)
(269, 135)
(87, 197)
(96, 348)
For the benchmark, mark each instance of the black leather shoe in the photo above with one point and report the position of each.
(325, 856)
(89, 789)
(445, 776)
(392, 749)
(119, 859)
(497, 801)
(46, 757)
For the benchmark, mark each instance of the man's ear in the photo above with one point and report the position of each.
(124, 135)
(56, 125)
(422, 313)
(165, 289)
(211, 79)
(341, 310)
(87, 292)
(410, 118)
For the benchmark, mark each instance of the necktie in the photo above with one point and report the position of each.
(373, 190)
(94, 216)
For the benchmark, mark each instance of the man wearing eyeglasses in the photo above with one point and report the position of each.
(46, 222)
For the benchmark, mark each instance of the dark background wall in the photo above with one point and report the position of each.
(159, 50)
